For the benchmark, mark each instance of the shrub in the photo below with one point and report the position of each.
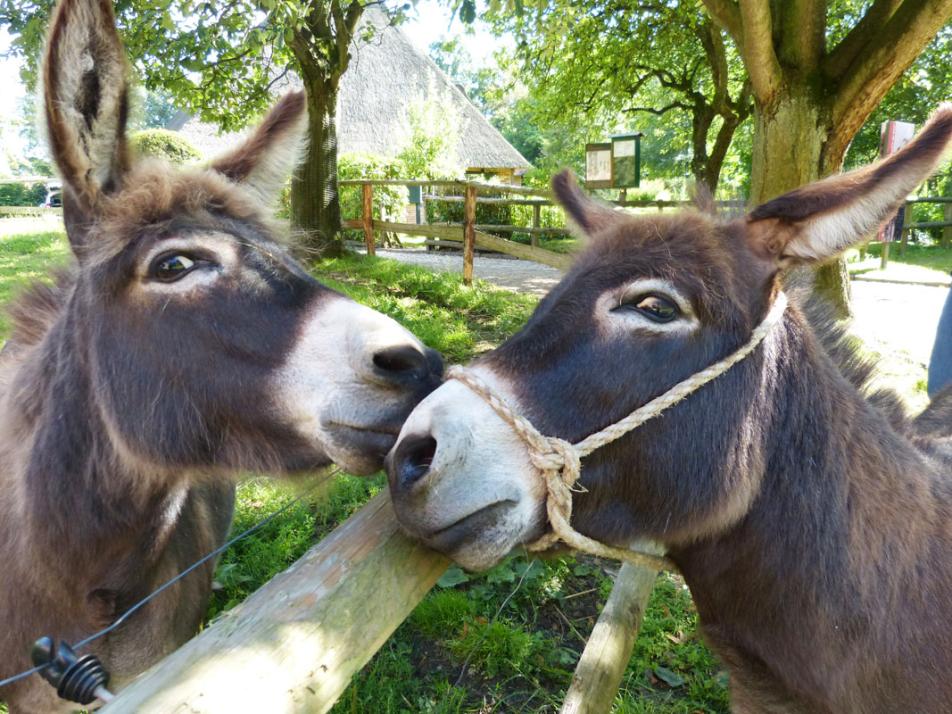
(389, 201)
(22, 194)
(164, 144)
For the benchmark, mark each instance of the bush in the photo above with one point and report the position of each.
(390, 202)
(22, 194)
(164, 144)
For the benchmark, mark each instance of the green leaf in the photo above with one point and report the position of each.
(452, 577)
(672, 679)
(467, 11)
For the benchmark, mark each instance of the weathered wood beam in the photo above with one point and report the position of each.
(520, 250)
(469, 234)
(294, 645)
(606, 655)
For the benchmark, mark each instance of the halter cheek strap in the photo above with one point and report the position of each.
(559, 462)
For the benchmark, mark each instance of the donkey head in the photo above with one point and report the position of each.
(199, 339)
(650, 302)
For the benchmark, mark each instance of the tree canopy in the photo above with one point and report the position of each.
(221, 61)
(626, 58)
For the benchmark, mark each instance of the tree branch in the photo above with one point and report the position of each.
(758, 49)
(882, 60)
(845, 53)
(802, 36)
(658, 112)
(713, 43)
(726, 14)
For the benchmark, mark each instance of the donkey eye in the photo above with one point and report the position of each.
(655, 307)
(167, 268)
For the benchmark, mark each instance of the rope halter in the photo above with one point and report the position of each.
(559, 462)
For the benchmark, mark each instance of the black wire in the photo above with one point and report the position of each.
(151, 596)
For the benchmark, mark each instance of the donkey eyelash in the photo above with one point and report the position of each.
(657, 287)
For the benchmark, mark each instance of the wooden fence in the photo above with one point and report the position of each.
(468, 234)
(295, 644)
(909, 224)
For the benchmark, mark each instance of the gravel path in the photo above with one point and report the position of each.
(511, 273)
(898, 319)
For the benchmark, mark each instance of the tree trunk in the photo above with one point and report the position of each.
(790, 136)
(315, 205)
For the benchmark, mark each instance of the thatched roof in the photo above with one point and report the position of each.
(386, 77)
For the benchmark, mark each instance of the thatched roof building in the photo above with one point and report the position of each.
(388, 76)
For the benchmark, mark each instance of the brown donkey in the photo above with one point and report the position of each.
(183, 347)
(811, 520)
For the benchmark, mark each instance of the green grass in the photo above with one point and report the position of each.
(506, 640)
(932, 256)
(918, 263)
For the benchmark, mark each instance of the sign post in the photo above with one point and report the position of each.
(598, 165)
(626, 160)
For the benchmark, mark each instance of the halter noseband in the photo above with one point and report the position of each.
(560, 462)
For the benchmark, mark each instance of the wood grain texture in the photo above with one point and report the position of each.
(609, 648)
(294, 645)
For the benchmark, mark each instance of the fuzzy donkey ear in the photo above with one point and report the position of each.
(263, 160)
(85, 105)
(589, 215)
(820, 220)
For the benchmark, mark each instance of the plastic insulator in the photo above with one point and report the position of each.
(76, 678)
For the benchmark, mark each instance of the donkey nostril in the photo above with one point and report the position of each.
(400, 360)
(413, 459)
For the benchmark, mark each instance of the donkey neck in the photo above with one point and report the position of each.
(832, 543)
(81, 492)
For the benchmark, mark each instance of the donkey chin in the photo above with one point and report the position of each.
(353, 413)
(474, 510)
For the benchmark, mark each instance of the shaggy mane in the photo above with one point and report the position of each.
(853, 360)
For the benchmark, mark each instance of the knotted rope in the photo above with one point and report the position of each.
(559, 462)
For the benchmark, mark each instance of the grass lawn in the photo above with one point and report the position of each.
(506, 640)
(918, 263)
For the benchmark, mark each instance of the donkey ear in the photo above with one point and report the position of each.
(264, 160)
(820, 220)
(589, 215)
(85, 101)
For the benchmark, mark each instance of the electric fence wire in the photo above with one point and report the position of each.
(169, 583)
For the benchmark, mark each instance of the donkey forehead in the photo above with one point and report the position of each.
(155, 200)
(696, 253)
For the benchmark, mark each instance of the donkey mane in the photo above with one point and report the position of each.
(853, 361)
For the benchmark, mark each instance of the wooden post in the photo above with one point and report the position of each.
(536, 223)
(294, 645)
(906, 220)
(368, 217)
(603, 662)
(469, 233)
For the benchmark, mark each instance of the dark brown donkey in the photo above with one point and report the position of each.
(183, 347)
(813, 525)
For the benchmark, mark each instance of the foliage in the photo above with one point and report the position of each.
(429, 150)
(912, 99)
(389, 201)
(151, 109)
(222, 61)
(616, 63)
(22, 194)
(164, 144)
(216, 60)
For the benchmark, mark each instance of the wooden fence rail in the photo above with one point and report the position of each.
(909, 224)
(294, 645)
(471, 235)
